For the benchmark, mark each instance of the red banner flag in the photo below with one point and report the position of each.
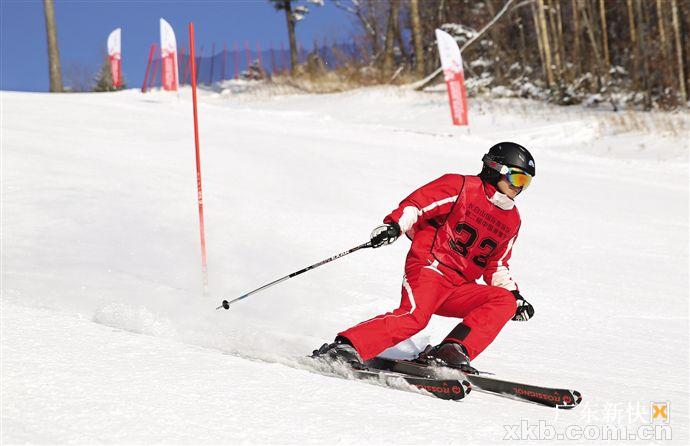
(115, 56)
(451, 62)
(168, 56)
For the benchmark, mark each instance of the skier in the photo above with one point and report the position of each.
(462, 227)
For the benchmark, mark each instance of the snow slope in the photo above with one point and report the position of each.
(106, 337)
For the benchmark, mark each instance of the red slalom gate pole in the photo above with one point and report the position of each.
(213, 59)
(225, 53)
(148, 67)
(154, 71)
(283, 60)
(204, 270)
(185, 70)
(273, 60)
(258, 53)
(236, 59)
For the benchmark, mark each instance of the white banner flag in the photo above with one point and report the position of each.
(115, 56)
(451, 62)
(168, 56)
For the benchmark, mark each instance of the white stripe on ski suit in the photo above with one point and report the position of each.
(410, 296)
(411, 214)
(501, 277)
(434, 267)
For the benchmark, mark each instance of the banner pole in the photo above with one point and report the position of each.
(204, 270)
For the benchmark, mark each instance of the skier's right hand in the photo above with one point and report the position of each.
(384, 235)
(525, 310)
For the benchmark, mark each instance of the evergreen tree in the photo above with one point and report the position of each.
(104, 79)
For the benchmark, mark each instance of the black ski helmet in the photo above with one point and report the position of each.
(507, 154)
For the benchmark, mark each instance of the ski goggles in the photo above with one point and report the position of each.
(518, 177)
(514, 175)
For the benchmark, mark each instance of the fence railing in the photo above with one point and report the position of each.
(219, 63)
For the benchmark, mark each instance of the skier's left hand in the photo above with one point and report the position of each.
(525, 310)
(384, 235)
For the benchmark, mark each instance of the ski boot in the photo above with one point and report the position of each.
(340, 351)
(447, 354)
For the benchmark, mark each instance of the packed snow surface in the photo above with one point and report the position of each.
(107, 338)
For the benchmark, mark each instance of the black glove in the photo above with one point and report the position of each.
(525, 310)
(384, 235)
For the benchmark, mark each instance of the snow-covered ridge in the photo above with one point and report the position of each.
(626, 135)
(105, 334)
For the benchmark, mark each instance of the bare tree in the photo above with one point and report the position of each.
(417, 38)
(576, 37)
(588, 21)
(389, 43)
(522, 43)
(633, 39)
(679, 52)
(495, 36)
(400, 40)
(559, 37)
(540, 40)
(368, 14)
(662, 28)
(293, 14)
(78, 77)
(643, 51)
(553, 32)
(604, 35)
(545, 42)
(430, 78)
(562, 42)
(53, 51)
(631, 21)
(286, 5)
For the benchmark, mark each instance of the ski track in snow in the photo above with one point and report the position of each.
(106, 338)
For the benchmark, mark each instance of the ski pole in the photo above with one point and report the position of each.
(226, 304)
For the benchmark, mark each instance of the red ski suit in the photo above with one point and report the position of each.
(461, 229)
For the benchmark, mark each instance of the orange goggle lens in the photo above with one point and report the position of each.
(518, 178)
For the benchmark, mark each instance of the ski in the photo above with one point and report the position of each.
(443, 388)
(545, 396)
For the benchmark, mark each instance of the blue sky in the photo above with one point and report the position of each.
(83, 27)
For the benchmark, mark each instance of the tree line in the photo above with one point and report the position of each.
(603, 50)
(568, 51)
